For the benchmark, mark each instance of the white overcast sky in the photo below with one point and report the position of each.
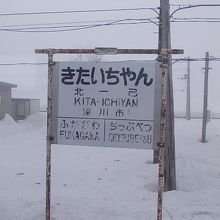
(194, 38)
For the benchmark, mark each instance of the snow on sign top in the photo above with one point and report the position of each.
(106, 103)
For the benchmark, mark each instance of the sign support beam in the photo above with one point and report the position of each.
(105, 51)
(161, 144)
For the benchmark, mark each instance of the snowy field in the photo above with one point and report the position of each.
(92, 183)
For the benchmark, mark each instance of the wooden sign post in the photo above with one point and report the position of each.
(161, 144)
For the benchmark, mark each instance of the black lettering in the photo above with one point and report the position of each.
(67, 76)
(145, 76)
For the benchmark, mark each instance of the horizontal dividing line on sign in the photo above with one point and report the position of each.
(121, 119)
(103, 91)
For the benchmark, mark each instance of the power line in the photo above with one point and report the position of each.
(197, 18)
(73, 29)
(194, 6)
(21, 64)
(198, 59)
(80, 27)
(74, 22)
(195, 21)
(65, 26)
(195, 59)
(78, 11)
(179, 5)
(70, 26)
(57, 23)
(30, 29)
(51, 25)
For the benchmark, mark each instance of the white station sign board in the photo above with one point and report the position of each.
(108, 104)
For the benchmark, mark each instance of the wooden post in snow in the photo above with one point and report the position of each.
(49, 135)
(205, 98)
(188, 111)
(163, 124)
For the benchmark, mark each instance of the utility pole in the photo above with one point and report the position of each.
(188, 113)
(205, 98)
(169, 150)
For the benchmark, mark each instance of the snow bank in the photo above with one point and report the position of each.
(106, 183)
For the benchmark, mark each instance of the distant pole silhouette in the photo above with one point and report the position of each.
(205, 98)
(188, 110)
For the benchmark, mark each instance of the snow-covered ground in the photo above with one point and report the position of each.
(93, 183)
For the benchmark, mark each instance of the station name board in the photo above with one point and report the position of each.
(108, 104)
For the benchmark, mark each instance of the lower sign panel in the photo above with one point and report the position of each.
(105, 132)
